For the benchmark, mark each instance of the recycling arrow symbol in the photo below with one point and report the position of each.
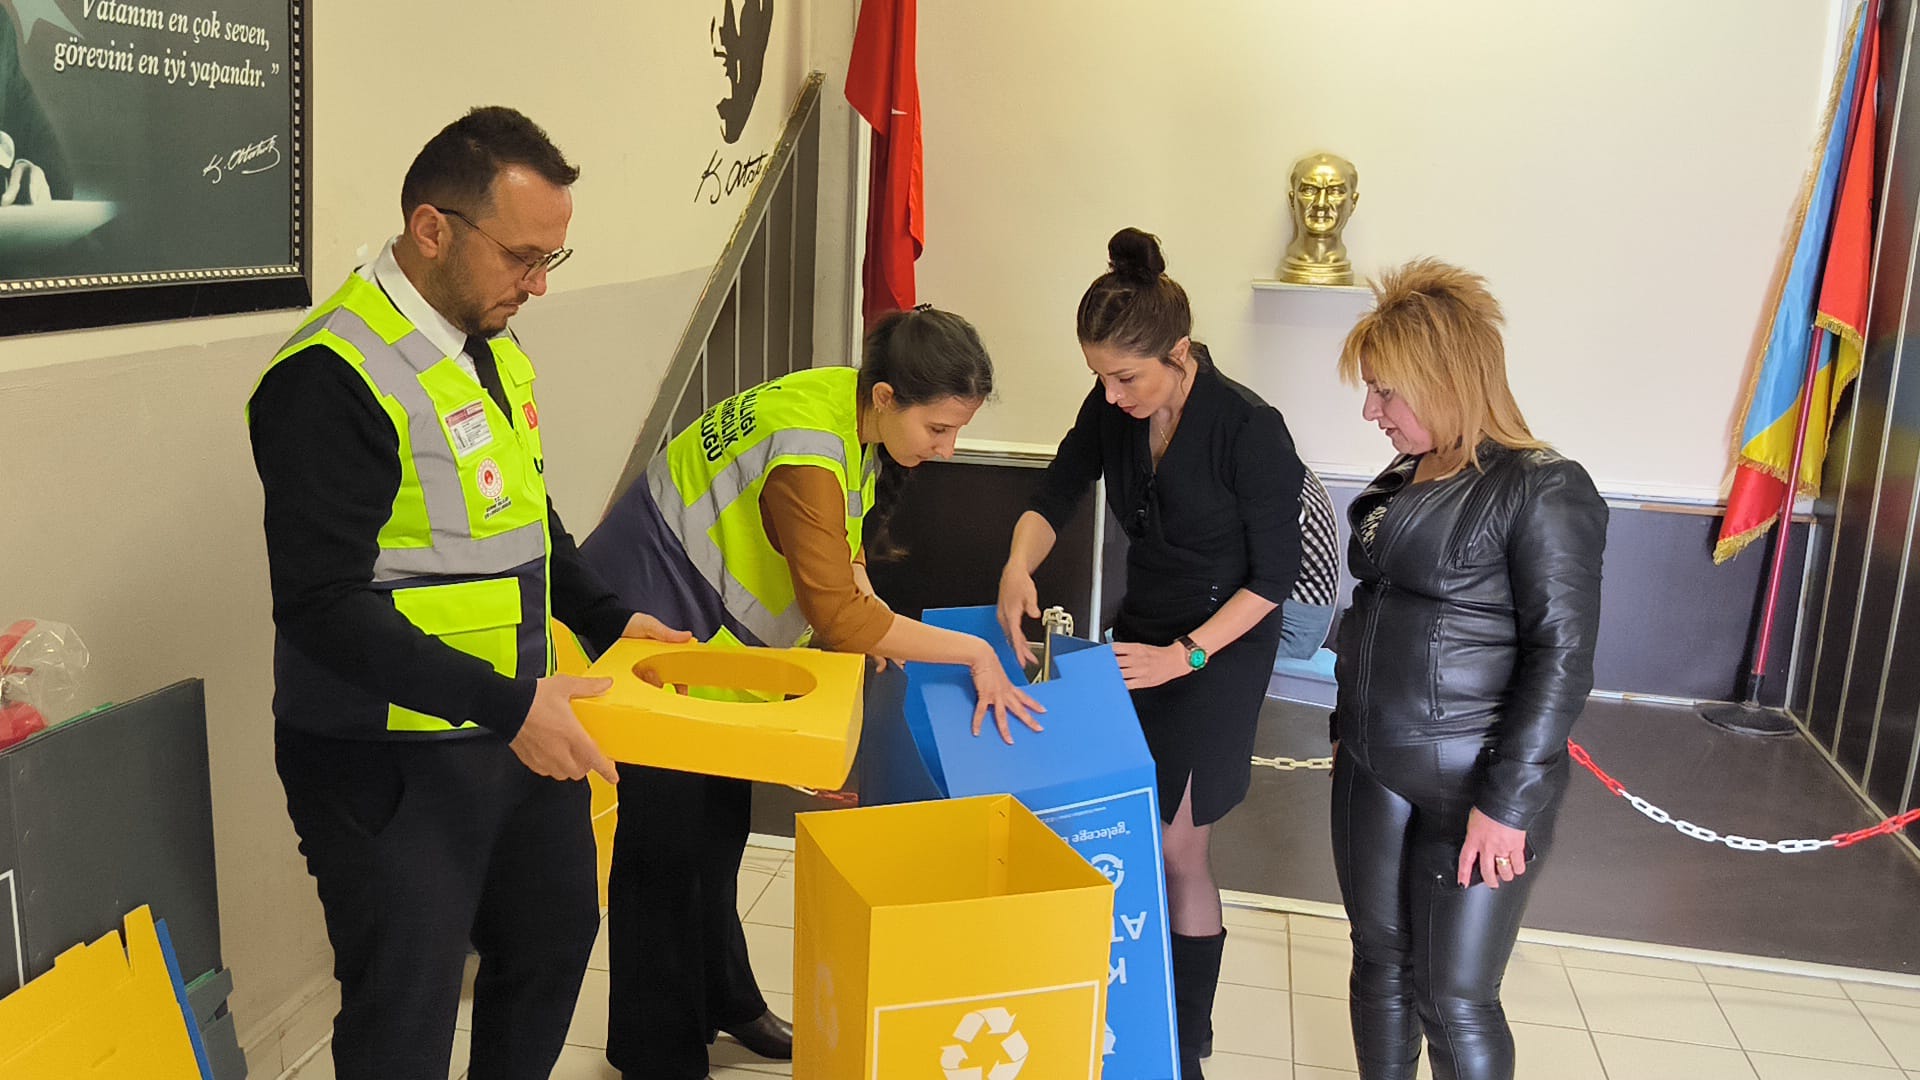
(988, 1029)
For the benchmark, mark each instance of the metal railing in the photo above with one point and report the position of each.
(754, 321)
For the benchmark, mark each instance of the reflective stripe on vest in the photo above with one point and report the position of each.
(454, 552)
(798, 416)
(693, 524)
(464, 552)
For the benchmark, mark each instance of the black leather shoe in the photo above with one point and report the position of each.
(768, 1036)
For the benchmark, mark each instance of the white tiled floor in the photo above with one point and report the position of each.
(1577, 1014)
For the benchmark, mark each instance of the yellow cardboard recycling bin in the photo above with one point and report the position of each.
(794, 717)
(570, 659)
(960, 939)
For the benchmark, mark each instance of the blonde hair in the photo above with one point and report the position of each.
(1433, 337)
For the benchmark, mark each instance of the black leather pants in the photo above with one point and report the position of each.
(1427, 954)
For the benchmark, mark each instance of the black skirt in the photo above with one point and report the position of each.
(1200, 727)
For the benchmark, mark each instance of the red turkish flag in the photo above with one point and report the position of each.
(883, 85)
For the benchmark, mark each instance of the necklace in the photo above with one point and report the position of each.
(1166, 436)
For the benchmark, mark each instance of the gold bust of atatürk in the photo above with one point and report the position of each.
(1321, 193)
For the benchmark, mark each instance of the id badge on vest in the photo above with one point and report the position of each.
(468, 428)
(470, 431)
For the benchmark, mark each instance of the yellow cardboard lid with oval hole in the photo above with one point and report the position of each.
(781, 716)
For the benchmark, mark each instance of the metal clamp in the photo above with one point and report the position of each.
(1054, 620)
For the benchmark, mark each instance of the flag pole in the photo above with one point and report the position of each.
(1748, 716)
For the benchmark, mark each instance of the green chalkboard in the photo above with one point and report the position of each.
(152, 160)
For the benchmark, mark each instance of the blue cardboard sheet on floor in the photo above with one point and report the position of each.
(1088, 776)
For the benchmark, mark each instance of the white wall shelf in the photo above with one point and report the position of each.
(1272, 285)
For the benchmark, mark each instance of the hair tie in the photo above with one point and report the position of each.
(923, 307)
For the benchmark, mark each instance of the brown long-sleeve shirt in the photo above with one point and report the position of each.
(804, 510)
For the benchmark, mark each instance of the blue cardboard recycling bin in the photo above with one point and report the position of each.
(1088, 776)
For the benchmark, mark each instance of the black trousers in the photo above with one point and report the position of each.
(419, 848)
(1427, 954)
(677, 956)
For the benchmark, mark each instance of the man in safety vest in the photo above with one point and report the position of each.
(433, 765)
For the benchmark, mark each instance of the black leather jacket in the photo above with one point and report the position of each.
(1478, 618)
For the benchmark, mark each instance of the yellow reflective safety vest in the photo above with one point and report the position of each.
(707, 485)
(464, 552)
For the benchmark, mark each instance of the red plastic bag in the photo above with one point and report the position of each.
(19, 721)
(40, 663)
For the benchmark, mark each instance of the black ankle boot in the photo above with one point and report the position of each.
(766, 1035)
(1196, 974)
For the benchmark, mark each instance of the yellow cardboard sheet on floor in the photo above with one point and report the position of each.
(959, 938)
(794, 717)
(102, 1013)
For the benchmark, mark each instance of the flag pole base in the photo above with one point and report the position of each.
(1748, 718)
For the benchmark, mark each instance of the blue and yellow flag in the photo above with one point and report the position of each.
(1819, 312)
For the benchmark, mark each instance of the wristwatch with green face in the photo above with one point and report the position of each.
(1196, 656)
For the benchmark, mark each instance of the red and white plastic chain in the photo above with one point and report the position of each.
(1737, 843)
(1656, 814)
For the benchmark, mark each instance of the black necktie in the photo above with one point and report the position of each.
(488, 373)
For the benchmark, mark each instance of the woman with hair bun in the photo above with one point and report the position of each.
(1203, 477)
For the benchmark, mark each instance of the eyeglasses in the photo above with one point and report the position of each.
(549, 262)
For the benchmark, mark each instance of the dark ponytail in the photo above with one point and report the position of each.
(925, 355)
(1135, 307)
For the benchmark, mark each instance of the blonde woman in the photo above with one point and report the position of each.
(1463, 662)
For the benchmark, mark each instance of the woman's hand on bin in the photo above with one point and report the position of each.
(996, 693)
(1018, 600)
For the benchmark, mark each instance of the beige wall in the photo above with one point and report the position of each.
(1623, 173)
(128, 504)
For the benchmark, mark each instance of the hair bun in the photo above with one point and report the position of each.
(1135, 256)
